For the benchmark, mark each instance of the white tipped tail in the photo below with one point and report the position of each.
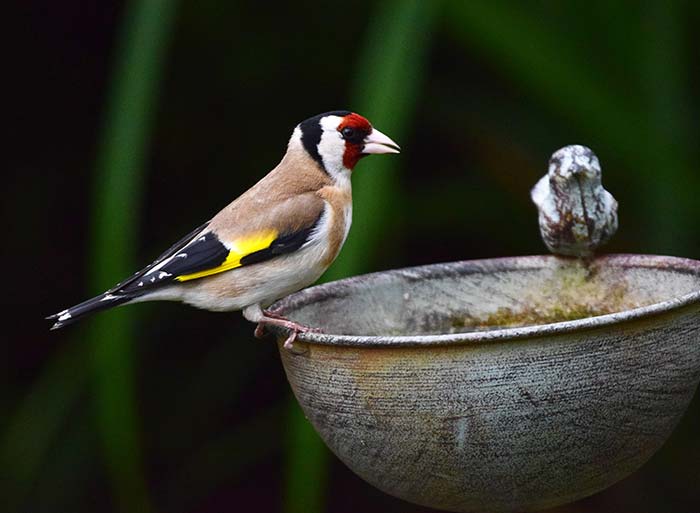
(77, 312)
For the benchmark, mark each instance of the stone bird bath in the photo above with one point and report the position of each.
(499, 385)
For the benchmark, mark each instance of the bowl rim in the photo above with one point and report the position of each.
(318, 292)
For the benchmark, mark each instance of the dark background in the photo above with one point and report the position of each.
(182, 410)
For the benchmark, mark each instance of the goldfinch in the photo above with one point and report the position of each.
(276, 238)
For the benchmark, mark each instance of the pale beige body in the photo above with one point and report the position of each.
(292, 196)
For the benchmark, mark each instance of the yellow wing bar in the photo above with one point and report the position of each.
(239, 249)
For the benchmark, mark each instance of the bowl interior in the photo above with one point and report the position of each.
(483, 295)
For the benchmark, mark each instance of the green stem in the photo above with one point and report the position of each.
(390, 73)
(117, 198)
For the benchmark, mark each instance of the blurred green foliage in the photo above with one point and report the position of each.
(389, 75)
(117, 199)
(191, 415)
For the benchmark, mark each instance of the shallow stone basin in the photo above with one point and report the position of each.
(499, 385)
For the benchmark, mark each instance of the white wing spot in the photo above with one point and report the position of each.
(64, 316)
(163, 274)
(108, 297)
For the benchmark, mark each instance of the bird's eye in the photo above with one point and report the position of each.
(348, 132)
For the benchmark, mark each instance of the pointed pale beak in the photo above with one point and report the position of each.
(376, 142)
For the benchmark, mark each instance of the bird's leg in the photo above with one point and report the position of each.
(259, 330)
(274, 315)
(256, 314)
(289, 343)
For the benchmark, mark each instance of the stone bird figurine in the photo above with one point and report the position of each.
(576, 214)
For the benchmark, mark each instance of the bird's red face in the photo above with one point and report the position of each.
(361, 140)
(337, 140)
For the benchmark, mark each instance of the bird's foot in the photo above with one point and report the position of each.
(273, 315)
(274, 319)
(259, 330)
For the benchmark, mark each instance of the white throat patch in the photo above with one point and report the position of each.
(295, 139)
(332, 148)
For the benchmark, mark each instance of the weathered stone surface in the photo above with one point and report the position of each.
(576, 214)
(434, 385)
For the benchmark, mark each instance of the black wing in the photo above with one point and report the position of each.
(201, 253)
(171, 251)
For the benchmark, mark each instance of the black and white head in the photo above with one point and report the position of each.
(337, 140)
